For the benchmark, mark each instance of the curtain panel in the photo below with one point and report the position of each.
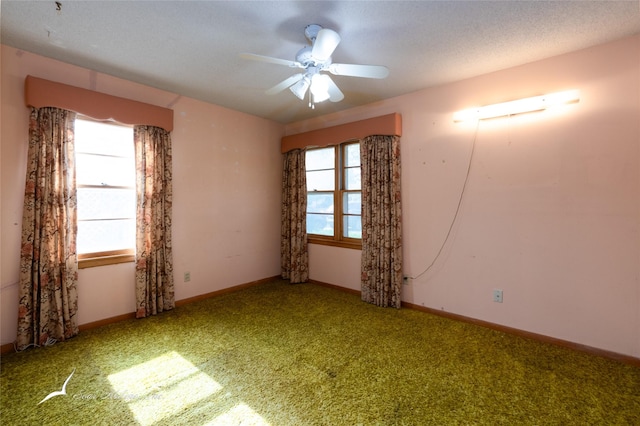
(293, 248)
(154, 258)
(48, 298)
(381, 221)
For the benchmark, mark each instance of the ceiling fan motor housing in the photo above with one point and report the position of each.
(305, 57)
(311, 31)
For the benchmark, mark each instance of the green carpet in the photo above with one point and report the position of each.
(280, 354)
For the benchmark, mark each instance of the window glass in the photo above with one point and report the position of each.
(352, 227)
(352, 203)
(105, 203)
(319, 159)
(105, 170)
(320, 167)
(320, 224)
(351, 166)
(352, 155)
(321, 180)
(320, 202)
(352, 178)
(106, 235)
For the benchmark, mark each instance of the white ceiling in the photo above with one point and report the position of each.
(192, 48)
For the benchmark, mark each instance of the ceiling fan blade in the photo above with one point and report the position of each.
(335, 94)
(326, 42)
(366, 71)
(269, 59)
(285, 84)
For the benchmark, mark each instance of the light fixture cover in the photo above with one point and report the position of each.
(300, 88)
(520, 106)
(320, 88)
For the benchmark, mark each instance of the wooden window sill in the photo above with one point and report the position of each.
(92, 262)
(355, 245)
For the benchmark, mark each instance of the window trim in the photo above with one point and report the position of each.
(338, 240)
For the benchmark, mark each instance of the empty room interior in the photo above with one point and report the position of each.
(517, 220)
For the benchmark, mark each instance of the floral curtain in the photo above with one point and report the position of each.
(48, 298)
(154, 259)
(381, 221)
(293, 247)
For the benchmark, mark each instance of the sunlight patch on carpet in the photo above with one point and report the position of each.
(241, 414)
(162, 387)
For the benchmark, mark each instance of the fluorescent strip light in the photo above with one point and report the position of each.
(520, 106)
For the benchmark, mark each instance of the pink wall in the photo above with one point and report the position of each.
(227, 174)
(551, 212)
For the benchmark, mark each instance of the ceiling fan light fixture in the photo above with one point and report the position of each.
(300, 88)
(319, 88)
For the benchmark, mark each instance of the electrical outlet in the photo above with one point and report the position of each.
(405, 280)
(187, 277)
(497, 295)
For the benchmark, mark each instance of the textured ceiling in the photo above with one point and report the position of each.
(192, 48)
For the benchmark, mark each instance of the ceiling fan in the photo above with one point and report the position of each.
(313, 60)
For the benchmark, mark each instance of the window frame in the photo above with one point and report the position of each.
(110, 257)
(338, 240)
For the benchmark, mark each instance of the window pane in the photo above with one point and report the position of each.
(323, 180)
(352, 155)
(352, 202)
(103, 138)
(318, 159)
(321, 224)
(352, 178)
(106, 203)
(352, 227)
(102, 170)
(321, 202)
(106, 235)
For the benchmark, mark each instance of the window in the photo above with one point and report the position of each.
(106, 182)
(334, 195)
